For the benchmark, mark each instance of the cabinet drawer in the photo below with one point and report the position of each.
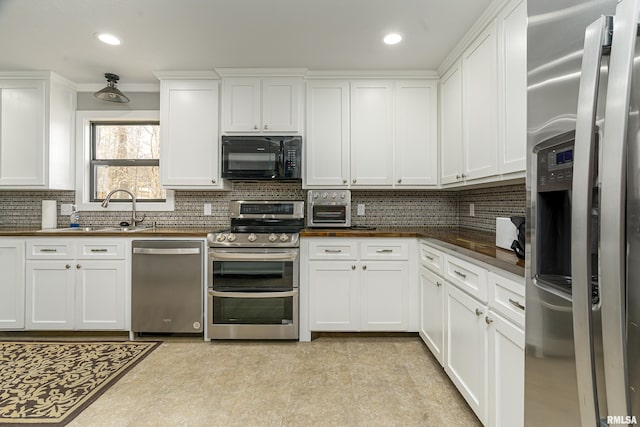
(468, 277)
(507, 297)
(384, 250)
(432, 259)
(54, 249)
(332, 249)
(107, 249)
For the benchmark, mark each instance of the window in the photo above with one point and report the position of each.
(126, 155)
(119, 149)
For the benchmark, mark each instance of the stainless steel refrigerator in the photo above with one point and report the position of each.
(583, 214)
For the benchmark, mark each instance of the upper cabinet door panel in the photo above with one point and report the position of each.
(327, 142)
(241, 105)
(416, 133)
(371, 133)
(480, 94)
(452, 165)
(280, 105)
(22, 133)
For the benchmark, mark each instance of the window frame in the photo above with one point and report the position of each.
(84, 141)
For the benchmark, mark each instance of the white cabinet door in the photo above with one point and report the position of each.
(12, 284)
(512, 89)
(371, 133)
(327, 144)
(281, 105)
(480, 96)
(241, 105)
(466, 348)
(432, 312)
(416, 133)
(506, 372)
(50, 294)
(189, 134)
(384, 288)
(333, 296)
(22, 133)
(100, 287)
(452, 154)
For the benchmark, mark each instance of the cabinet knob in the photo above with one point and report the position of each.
(213, 181)
(478, 312)
(353, 267)
(266, 126)
(438, 284)
(364, 267)
(463, 175)
(488, 320)
(255, 127)
(399, 180)
(457, 176)
(78, 266)
(354, 180)
(67, 266)
(344, 181)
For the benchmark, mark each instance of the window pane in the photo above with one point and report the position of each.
(143, 181)
(127, 141)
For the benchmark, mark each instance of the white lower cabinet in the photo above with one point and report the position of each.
(466, 348)
(357, 284)
(75, 284)
(431, 312)
(11, 284)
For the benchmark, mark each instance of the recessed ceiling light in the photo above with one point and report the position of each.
(392, 38)
(108, 39)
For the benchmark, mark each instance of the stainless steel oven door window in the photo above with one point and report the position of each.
(329, 214)
(254, 308)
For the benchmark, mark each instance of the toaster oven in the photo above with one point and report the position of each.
(329, 208)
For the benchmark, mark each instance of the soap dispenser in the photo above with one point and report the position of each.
(74, 219)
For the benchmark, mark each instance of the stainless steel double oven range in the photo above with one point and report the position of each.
(254, 272)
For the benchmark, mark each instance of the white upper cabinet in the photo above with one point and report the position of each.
(37, 116)
(452, 160)
(371, 133)
(189, 134)
(261, 105)
(416, 133)
(327, 142)
(480, 105)
(512, 89)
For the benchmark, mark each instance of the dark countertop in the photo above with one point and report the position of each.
(150, 232)
(478, 245)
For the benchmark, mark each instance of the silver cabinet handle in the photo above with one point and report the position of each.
(478, 312)
(430, 258)
(384, 251)
(161, 251)
(333, 251)
(464, 276)
(364, 267)
(67, 266)
(230, 256)
(98, 250)
(353, 267)
(516, 303)
(488, 320)
(438, 284)
(78, 266)
(48, 250)
(253, 294)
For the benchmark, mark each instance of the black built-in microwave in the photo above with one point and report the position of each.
(261, 157)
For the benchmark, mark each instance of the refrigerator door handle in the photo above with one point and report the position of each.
(613, 210)
(583, 174)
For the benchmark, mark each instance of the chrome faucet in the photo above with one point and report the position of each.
(134, 218)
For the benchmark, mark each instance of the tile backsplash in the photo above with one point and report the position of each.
(382, 208)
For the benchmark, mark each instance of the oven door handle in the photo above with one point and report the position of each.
(253, 294)
(251, 256)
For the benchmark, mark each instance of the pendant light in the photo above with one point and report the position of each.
(111, 92)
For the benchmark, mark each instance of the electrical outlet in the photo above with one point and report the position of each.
(66, 208)
(207, 209)
(360, 209)
(472, 209)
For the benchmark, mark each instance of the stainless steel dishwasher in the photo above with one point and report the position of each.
(166, 286)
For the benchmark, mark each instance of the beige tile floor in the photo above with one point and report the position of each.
(332, 381)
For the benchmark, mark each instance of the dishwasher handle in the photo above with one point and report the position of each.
(166, 251)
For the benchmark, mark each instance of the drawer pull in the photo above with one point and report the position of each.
(98, 250)
(333, 251)
(464, 276)
(517, 304)
(430, 258)
(478, 312)
(67, 266)
(384, 251)
(48, 250)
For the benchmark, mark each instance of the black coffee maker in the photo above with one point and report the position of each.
(518, 244)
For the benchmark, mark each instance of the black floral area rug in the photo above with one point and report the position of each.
(50, 383)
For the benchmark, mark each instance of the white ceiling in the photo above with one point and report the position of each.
(58, 35)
